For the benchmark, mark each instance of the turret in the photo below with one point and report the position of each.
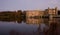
(56, 10)
(48, 8)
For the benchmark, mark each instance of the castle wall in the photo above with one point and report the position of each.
(33, 13)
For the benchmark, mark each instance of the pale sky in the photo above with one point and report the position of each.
(28, 4)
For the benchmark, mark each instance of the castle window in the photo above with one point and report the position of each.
(58, 12)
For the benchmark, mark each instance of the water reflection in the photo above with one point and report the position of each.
(34, 21)
(31, 26)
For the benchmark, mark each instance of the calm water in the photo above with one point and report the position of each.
(30, 27)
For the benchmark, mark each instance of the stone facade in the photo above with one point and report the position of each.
(52, 11)
(49, 12)
(32, 13)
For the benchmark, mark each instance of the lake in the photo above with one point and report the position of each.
(30, 27)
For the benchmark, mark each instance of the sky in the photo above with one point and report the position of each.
(7, 5)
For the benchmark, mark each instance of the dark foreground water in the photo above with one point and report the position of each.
(31, 27)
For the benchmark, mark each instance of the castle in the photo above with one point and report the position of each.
(47, 12)
(31, 14)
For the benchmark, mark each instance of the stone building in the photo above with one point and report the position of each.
(32, 16)
(52, 12)
(32, 13)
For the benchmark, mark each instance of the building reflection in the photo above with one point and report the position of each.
(52, 24)
(45, 27)
(34, 21)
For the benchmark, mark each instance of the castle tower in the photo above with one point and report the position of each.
(56, 11)
(50, 12)
(48, 8)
